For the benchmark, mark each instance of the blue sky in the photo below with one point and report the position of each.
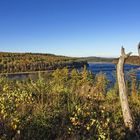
(70, 27)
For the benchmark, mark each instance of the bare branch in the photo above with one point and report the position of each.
(123, 53)
(127, 55)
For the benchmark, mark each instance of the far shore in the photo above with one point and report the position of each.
(101, 62)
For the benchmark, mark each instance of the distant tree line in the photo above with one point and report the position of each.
(135, 60)
(22, 62)
(97, 59)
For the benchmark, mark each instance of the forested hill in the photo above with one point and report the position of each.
(135, 60)
(97, 59)
(27, 62)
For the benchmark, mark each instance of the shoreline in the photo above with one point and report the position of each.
(100, 62)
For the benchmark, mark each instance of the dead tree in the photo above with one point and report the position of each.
(139, 49)
(128, 121)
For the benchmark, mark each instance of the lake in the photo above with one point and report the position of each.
(109, 70)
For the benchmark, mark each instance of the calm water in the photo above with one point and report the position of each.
(106, 68)
(110, 70)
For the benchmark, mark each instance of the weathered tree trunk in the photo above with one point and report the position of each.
(139, 49)
(128, 121)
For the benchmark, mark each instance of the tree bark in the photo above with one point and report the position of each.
(128, 121)
(139, 49)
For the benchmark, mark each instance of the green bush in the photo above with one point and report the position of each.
(65, 105)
